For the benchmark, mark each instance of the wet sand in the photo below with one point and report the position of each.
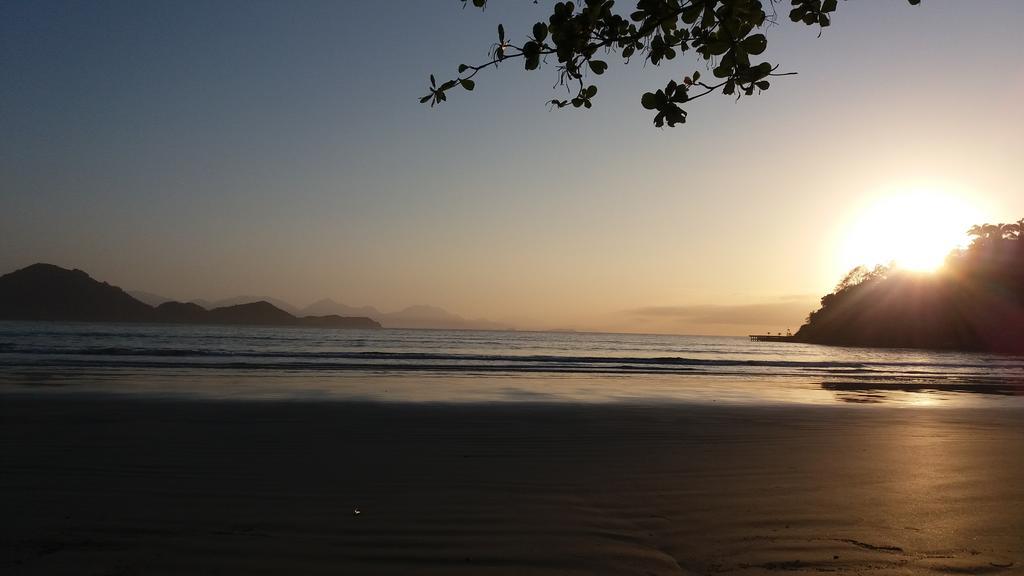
(104, 485)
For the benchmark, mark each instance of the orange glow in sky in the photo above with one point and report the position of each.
(913, 229)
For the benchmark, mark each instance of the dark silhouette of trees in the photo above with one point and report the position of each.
(975, 302)
(989, 232)
(727, 36)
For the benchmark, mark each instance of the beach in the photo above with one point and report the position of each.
(113, 484)
(649, 287)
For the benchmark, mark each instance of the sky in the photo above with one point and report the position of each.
(213, 149)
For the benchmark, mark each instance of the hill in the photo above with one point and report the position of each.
(181, 313)
(424, 316)
(48, 292)
(976, 302)
(262, 313)
(328, 307)
(236, 300)
(149, 297)
(333, 320)
(419, 316)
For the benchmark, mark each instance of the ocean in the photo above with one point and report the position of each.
(485, 366)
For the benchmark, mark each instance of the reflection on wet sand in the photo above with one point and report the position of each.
(869, 392)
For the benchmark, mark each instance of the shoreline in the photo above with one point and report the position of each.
(419, 386)
(165, 486)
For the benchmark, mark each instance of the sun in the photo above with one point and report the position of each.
(914, 230)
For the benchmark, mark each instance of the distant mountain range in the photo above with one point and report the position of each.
(48, 292)
(420, 316)
(156, 300)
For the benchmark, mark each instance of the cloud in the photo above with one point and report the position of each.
(791, 310)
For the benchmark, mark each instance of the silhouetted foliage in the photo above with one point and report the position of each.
(859, 275)
(975, 302)
(725, 35)
(991, 234)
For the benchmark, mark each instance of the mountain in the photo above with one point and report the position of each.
(236, 300)
(156, 300)
(181, 313)
(259, 313)
(423, 316)
(48, 292)
(333, 320)
(149, 297)
(328, 307)
(263, 313)
(420, 316)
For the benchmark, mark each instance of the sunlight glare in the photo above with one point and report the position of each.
(914, 230)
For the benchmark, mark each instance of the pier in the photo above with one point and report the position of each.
(771, 338)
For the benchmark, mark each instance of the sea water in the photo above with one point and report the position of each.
(461, 365)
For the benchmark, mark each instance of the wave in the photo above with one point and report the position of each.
(860, 383)
(349, 360)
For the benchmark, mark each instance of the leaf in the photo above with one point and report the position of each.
(432, 81)
(739, 56)
(540, 31)
(717, 47)
(591, 91)
(463, 68)
(692, 12)
(754, 44)
(708, 20)
(649, 101)
(468, 84)
(501, 34)
(598, 66)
